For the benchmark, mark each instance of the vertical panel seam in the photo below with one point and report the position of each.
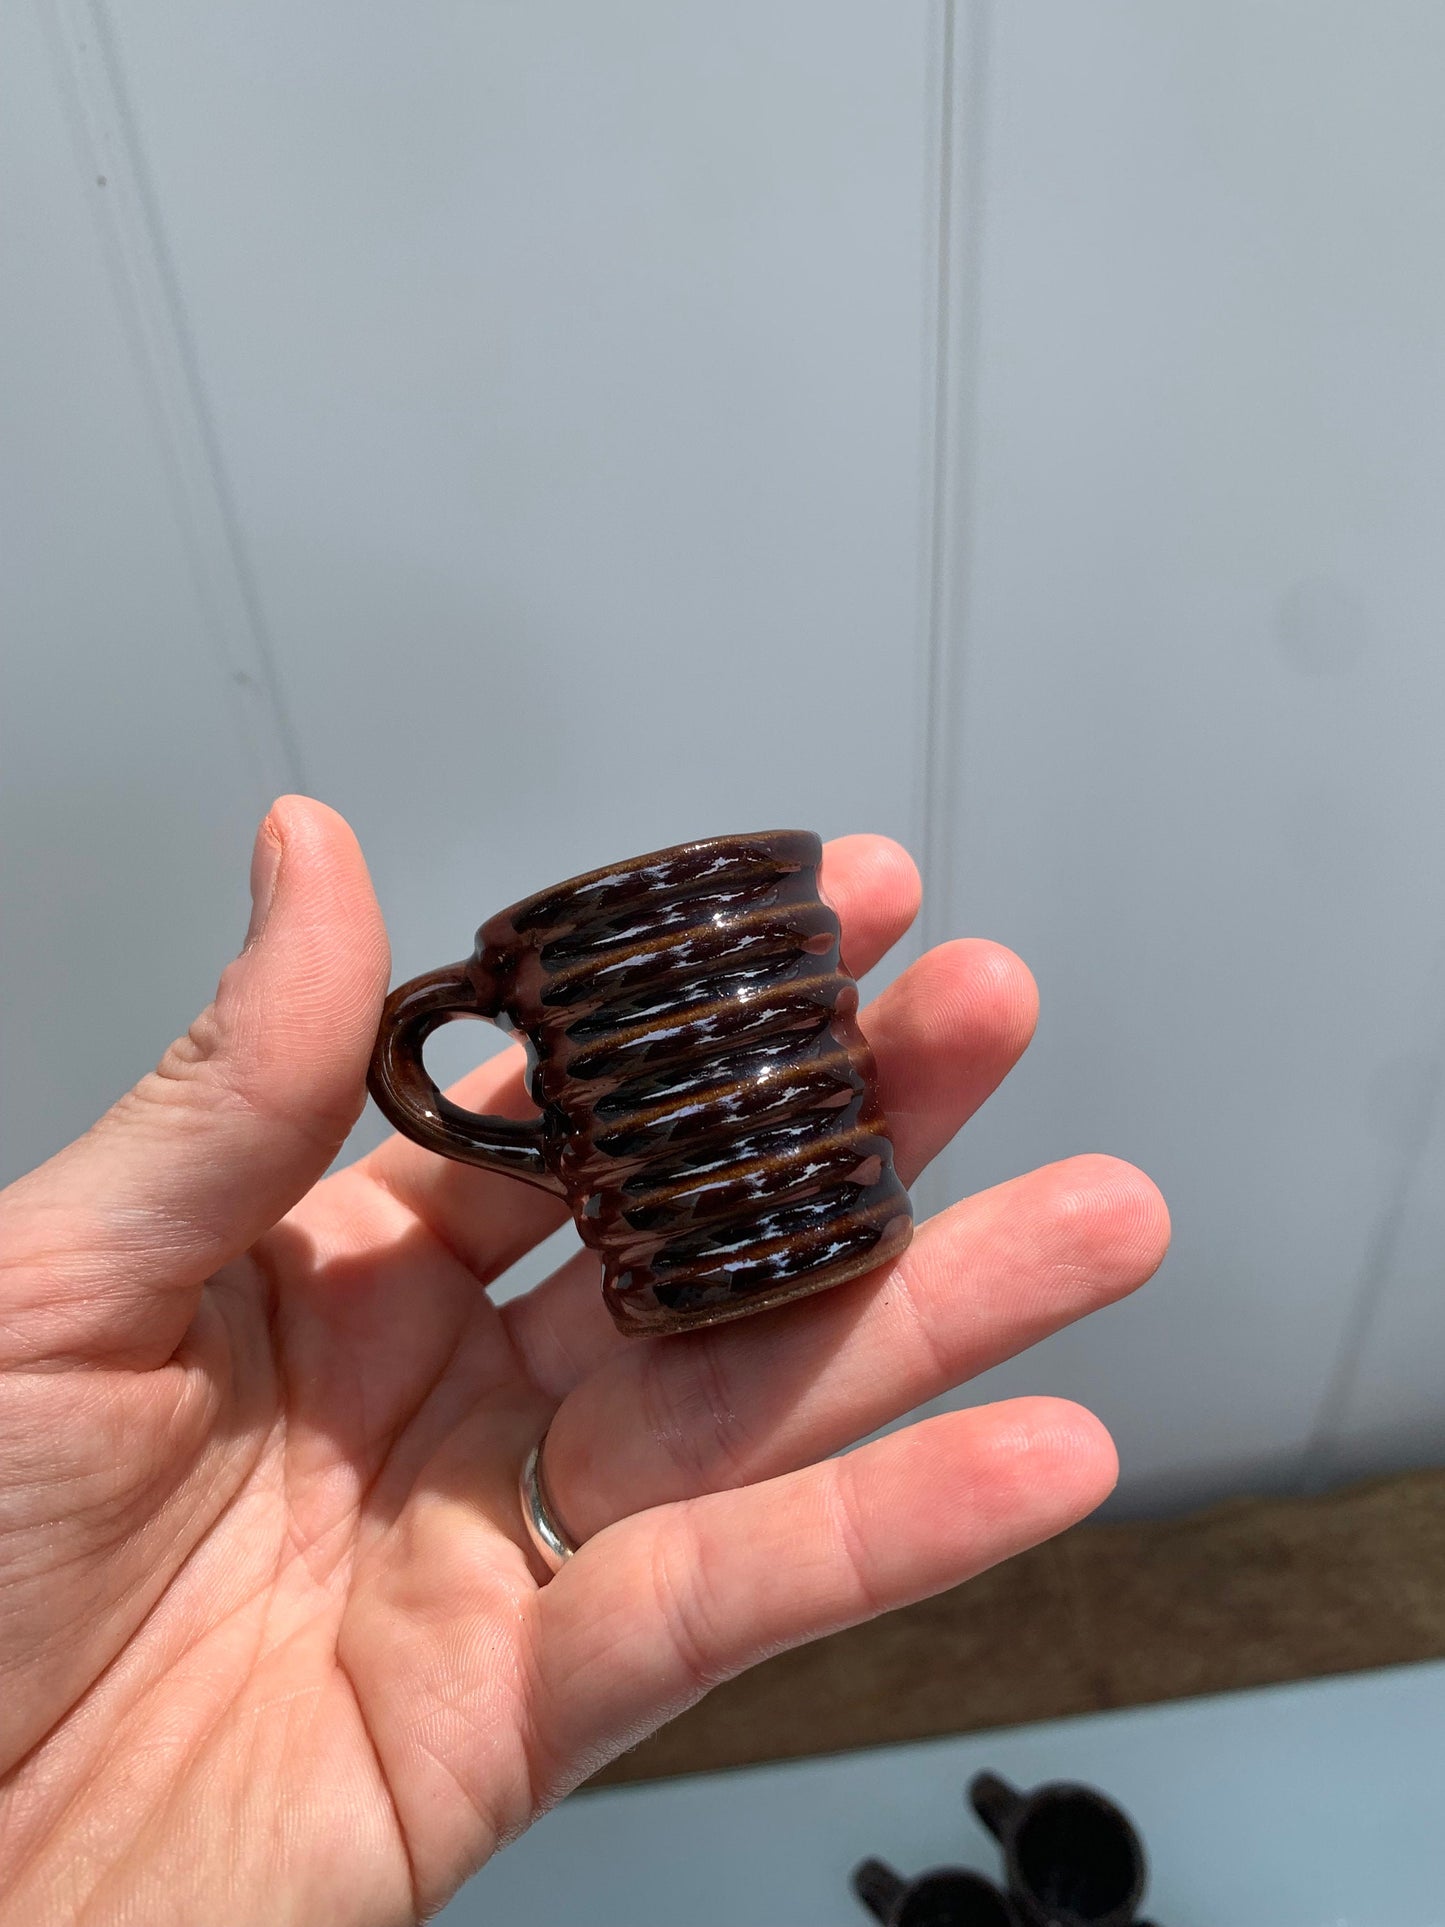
(962, 58)
(938, 95)
(1324, 1454)
(961, 157)
(163, 350)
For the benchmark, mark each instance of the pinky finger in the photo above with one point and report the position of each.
(666, 1604)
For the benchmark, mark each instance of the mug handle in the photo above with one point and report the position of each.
(879, 1888)
(406, 1096)
(994, 1801)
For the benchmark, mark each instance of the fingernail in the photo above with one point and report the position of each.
(265, 865)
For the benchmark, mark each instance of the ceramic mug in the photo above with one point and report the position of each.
(1072, 1857)
(943, 1897)
(707, 1101)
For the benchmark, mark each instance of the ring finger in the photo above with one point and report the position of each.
(723, 1408)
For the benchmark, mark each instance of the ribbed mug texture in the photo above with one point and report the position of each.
(708, 1103)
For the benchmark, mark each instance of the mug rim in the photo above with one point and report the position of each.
(570, 885)
(1057, 1793)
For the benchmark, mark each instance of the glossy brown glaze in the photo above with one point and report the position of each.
(707, 1100)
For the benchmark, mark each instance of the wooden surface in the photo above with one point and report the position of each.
(1248, 1593)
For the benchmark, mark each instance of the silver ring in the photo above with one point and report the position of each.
(550, 1539)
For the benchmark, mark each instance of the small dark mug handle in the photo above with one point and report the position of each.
(878, 1887)
(994, 1801)
(407, 1097)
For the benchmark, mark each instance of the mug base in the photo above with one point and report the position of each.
(639, 1315)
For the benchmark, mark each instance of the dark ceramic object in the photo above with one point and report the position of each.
(943, 1897)
(1072, 1858)
(707, 1100)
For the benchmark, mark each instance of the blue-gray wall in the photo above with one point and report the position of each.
(550, 432)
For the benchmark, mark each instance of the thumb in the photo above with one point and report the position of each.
(107, 1245)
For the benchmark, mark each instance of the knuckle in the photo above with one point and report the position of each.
(852, 1540)
(689, 1407)
(680, 1606)
(908, 1303)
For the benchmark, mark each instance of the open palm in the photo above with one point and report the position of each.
(272, 1648)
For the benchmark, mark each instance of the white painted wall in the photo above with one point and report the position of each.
(1200, 693)
(546, 433)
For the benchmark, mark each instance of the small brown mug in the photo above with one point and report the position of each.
(707, 1101)
(942, 1897)
(1071, 1856)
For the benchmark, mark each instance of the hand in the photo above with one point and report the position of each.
(271, 1647)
